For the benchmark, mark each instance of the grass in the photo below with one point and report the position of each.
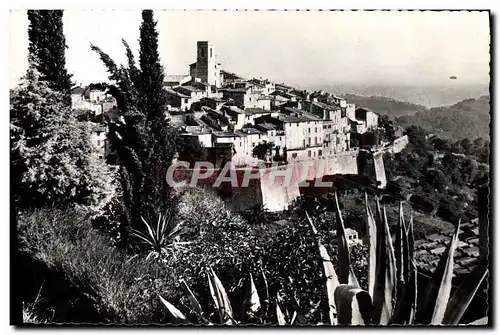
(111, 286)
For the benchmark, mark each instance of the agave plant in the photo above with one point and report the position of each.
(220, 298)
(391, 297)
(392, 278)
(162, 238)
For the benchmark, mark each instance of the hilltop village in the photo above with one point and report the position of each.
(249, 118)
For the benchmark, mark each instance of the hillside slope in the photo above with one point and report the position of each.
(467, 119)
(383, 105)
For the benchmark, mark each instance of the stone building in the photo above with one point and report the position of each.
(207, 67)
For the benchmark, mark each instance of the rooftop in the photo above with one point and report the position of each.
(429, 250)
(224, 134)
(253, 111)
(250, 131)
(175, 77)
(235, 90)
(178, 94)
(266, 126)
(77, 90)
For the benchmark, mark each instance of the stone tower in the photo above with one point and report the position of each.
(207, 66)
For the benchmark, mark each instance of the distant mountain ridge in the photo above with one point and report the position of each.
(465, 118)
(383, 105)
(469, 118)
(429, 96)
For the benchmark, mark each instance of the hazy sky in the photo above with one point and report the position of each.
(399, 48)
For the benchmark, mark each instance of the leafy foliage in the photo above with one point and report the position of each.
(393, 299)
(439, 173)
(263, 150)
(53, 159)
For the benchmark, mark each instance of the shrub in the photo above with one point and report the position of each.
(53, 159)
(117, 289)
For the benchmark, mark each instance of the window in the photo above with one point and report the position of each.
(304, 143)
(98, 142)
(280, 138)
(320, 152)
(210, 52)
(308, 153)
(316, 140)
(309, 140)
(315, 129)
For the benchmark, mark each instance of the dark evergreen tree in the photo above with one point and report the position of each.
(143, 141)
(47, 46)
(152, 75)
(153, 103)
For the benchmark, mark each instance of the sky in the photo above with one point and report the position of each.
(297, 48)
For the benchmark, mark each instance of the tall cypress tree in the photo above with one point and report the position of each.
(47, 46)
(153, 103)
(145, 142)
(152, 77)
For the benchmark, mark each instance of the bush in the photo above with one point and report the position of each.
(52, 158)
(286, 253)
(112, 287)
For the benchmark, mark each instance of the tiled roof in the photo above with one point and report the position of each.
(178, 94)
(224, 134)
(175, 78)
(235, 90)
(267, 126)
(428, 251)
(77, 90)
(232, 110)
(250, 131)
(253, 111)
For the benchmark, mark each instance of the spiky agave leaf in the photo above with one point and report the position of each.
(195, 305)
(463, 295)
(402, 256)
(220, 298)
(399, 252)
(254, 300)
(279, 315)
(174, 311)
(385, 276)
(267, 299)
(332, 280)
(354, 305)
(438, 289)
(412, 287)
(480, 322)
(343, 248)
(298, 311)
(372, 246)
(353, 281)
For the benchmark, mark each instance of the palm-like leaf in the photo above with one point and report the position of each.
(332, 281)
(159, 238)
